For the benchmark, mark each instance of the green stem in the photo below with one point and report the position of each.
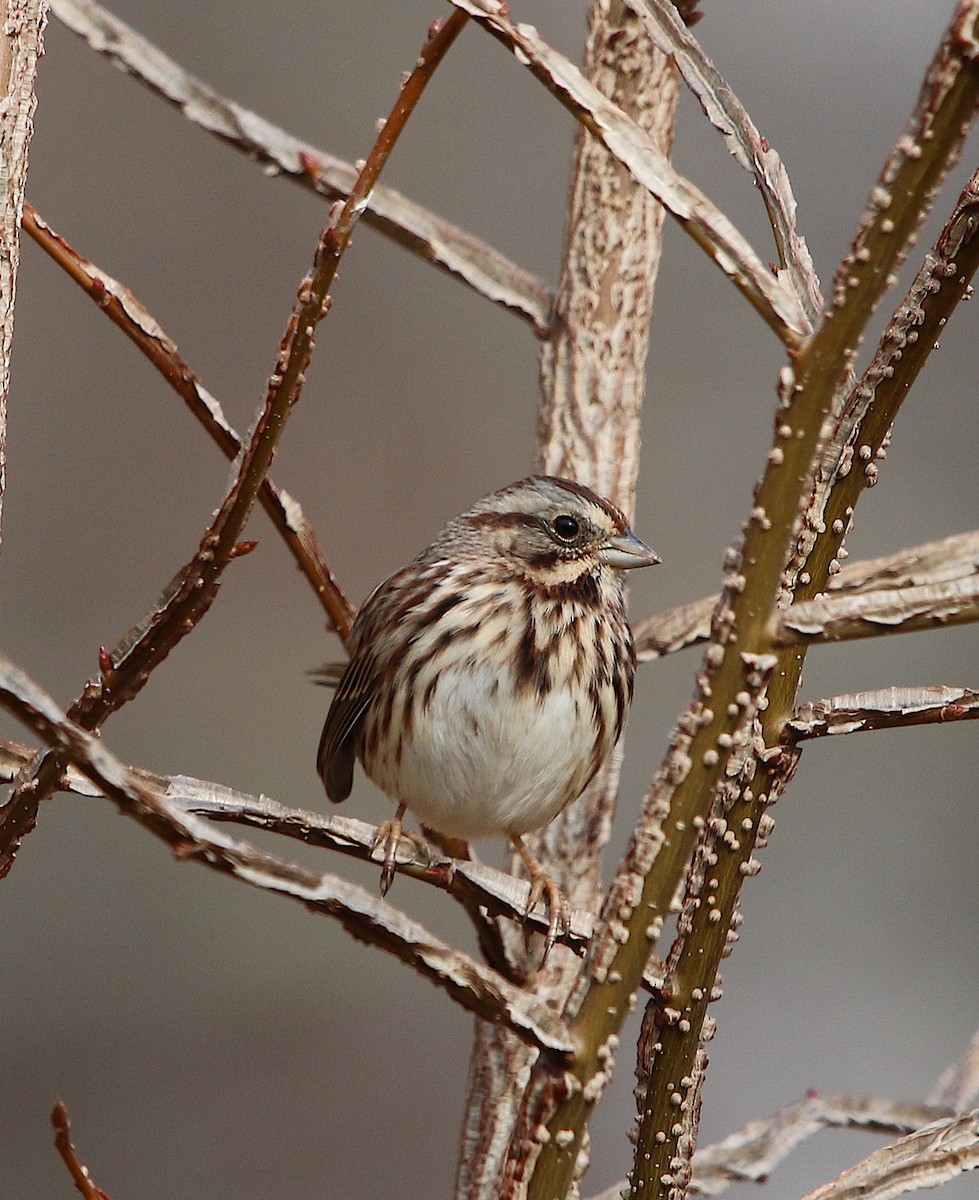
(742, 642)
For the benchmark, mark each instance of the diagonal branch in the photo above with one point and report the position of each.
(125, 311)
(623, 138)
(366, 917)
(862, 431)
(433, 240)
(959, 1085)
(749, 149)
(63, 1144)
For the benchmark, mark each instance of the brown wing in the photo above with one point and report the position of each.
(358, 686)
(337, 751)
(355, 691)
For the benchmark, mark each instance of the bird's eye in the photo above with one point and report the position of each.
(566, 527)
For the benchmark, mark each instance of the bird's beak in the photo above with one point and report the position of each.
(626, 551)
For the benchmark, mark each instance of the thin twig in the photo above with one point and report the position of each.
(62, 1141)
(125, 311)
(696, 214)
(433, 240)
(368, 918)
(753, 152)
(885, 708)
(959, 1085)
(189, 596)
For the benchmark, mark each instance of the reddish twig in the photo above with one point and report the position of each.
(128, 314)
(62, 1142)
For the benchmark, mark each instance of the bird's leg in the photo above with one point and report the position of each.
(543, 886)
(390, 835)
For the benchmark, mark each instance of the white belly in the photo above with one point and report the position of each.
(476, 766)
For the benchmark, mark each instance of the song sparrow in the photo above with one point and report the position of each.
(490, 677)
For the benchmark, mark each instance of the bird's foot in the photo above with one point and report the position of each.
(390, 835)
(543, 887)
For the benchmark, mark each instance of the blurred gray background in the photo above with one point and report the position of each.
(212, 1041)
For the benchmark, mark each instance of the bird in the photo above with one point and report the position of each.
(488, 679)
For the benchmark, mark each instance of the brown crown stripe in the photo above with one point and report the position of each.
(503, 520)
(579, 489)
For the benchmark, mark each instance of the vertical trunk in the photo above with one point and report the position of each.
(592, 385)
(593, 362)
(21, 25)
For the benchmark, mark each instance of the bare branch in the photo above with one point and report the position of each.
(931, 564)
(887, 708)
(870, 614)
(959, 1085)
(940, 561)
(754, 1151)
(592, 388)
(411, 226)
(696, 214)
(125, 311)
(749, 149)
(923, 1159)
(366, 917)
(469, 882)
(21, 45)
(668, 632)
(62, 1140)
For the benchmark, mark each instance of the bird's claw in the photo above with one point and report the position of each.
(543, 887)
(390, 836)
